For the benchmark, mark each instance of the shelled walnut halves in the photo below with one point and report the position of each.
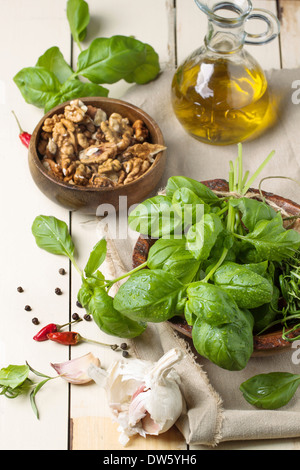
(83, 146)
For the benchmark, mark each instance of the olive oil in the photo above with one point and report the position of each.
(221, 101)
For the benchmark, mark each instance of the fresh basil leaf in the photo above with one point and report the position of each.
(96, 258)
(156, 217)
(202, 236)
(37, 85)
(271, 240)
(150, 296)
(203, 192)
(72, 89)
(52, 235)
(108, 60)
(227, 345)
(270, 391)
(173, 257)
(189, 206)
(78, 17)
(162, 249)
(108, 319)
(248, 289)
(253, 211)
(13, 376)
(222, 331)
(53, 60)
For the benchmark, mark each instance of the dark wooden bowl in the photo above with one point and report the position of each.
(88, 199)
(266, 344)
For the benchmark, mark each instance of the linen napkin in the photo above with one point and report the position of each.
(216, 409)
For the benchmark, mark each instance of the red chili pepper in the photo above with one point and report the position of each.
(42, 335)
(24, 136)
(65, 337)
(70, 338)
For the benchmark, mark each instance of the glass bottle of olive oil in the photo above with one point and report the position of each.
(220, 93)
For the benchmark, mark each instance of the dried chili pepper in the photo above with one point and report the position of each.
(42, 335)
(24, 136)
(70, 338)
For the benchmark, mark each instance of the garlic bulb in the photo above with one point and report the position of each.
(145, 397)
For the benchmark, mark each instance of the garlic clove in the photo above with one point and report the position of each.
(75, 371)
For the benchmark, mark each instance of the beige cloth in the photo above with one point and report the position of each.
(216, 409)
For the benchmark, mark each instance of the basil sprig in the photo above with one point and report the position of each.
(15, 381)
(106, 61)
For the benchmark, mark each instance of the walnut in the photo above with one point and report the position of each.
(145, 151)
(98, 153)
(101, 181)
(75, 111)
(49, 123)
(82, 175)
(135, 170)
(83, 140)
(109, 165)
(141, 132)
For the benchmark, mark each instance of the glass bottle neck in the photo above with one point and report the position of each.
(224, 39)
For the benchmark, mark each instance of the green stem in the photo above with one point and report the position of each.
(75, 265)
(254, 176)
(138, 268)
(86, 340)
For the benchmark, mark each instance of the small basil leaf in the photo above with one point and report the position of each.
(37, 85)
(272, 241)
(79, 17)
(54, 62)
(52, 235)
(96, 258)
(270, 391)
(108, 60)
(203, 192)
(13, 376)
(253, 211)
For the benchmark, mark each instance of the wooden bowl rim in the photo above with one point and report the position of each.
(262, 343)
(33, 154)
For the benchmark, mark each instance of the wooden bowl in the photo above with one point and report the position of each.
(86, 199)
(266, 344)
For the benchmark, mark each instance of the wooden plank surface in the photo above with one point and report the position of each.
(72, 416)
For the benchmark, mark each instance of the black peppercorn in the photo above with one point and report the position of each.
(20, 289)
(58, 291)
(35, 321)
(78, 304)
(125, 354)
(123, 346)
(87, 317)
(75, 316)
(27, 308)
(62, 271)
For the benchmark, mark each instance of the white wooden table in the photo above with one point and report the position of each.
(77, 417)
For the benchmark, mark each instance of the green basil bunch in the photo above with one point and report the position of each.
(215, 262)
(106, 61)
